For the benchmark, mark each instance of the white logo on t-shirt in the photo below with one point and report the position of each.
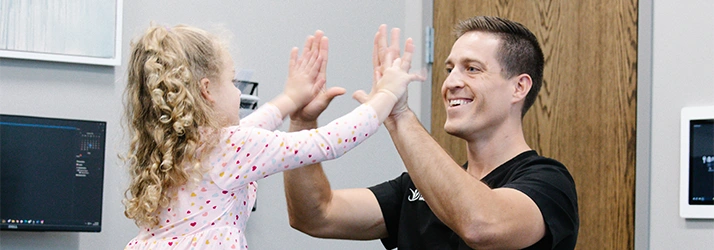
(415, 195)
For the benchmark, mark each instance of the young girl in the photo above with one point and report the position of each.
(193, 162)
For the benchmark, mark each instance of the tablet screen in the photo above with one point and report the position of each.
(701, 162)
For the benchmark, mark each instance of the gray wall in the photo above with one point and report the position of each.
(682, 65)
(263, 32)
(675, 59)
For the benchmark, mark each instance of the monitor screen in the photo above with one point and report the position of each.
(51, 174)
(701, 162)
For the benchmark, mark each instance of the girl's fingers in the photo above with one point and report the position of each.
(314, 68)
(293, 58)
(324, 46)
(388, 61)
(397, 63)
(307, 50)
(314, 51)
(309, 59)
(316, 40)
(308, 44)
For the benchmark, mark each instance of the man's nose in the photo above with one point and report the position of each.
(453, 80)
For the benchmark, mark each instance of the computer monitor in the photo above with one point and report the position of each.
(51, 174)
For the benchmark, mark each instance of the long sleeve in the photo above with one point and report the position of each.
(248, 154)
(266, 117)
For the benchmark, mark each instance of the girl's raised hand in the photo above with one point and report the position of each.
(306, 77)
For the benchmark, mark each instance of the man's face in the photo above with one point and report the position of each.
(476, 96)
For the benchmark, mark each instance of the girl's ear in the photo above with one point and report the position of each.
(205, 93)
(522, 87)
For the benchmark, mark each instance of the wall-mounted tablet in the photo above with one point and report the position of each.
(696, 191)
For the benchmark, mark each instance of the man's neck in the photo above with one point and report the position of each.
(488, 153)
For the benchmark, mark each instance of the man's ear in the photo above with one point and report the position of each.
(522, 86)
(205, 92)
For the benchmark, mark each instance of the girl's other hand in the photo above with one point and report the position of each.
(306, 74)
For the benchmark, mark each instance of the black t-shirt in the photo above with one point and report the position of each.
(412, 225)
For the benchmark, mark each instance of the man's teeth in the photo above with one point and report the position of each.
(459, 102)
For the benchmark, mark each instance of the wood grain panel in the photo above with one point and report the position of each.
(586, 111)
(445, 18)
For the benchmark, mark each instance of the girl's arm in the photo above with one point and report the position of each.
(265, 117)
(248, 154)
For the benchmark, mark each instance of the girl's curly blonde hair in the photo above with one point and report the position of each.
(164, 110)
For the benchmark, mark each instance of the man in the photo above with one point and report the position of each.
(504, 197)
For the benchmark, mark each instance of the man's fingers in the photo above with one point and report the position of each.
(407, 57)
(375, 51)
(394, 46)
(382, 46)
(360, 96)
(333, 92)
(382, 36)
(376, 76)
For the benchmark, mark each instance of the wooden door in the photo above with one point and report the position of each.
(586, 111)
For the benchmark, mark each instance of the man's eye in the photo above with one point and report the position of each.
(448, 70)
(472, 69)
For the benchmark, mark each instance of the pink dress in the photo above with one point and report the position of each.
(212, 214)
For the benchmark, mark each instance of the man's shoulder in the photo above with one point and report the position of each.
(528, 168)
(532, 158)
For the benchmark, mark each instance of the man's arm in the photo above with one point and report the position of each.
(481, 216)
(315, 209)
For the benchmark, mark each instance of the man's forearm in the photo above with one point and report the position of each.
(307, 189)
(440, 180)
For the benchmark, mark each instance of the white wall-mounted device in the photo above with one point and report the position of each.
(696, 192)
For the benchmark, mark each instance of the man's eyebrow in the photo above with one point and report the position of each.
(464, 61)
